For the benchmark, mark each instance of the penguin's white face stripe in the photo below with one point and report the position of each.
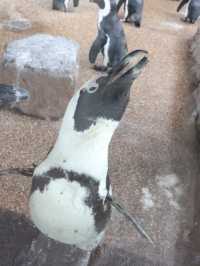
(103, 12)
(126, 9)
(61, 213)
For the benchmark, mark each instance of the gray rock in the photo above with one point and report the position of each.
(47, 66)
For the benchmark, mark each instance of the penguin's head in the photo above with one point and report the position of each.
(107, 96)
(10, 95)
(103, 3)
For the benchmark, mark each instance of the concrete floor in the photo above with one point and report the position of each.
(154, 154)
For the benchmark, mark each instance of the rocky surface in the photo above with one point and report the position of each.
(195, 51)
(154, 164)
(48, 67)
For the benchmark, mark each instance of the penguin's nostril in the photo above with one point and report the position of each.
(92, 89)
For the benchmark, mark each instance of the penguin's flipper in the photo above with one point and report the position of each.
(120, 4)
(130, 218)
(97, 46)
(182, 3)
(18, 171)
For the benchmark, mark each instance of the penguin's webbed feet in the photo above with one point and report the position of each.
(100, 68)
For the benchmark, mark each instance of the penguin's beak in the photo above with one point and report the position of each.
(10, 95)
(121, 76)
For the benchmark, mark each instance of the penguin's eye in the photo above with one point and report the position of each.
(92, 89)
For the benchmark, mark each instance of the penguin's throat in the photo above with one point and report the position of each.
(84, 152)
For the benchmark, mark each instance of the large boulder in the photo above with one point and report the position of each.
(47, 66)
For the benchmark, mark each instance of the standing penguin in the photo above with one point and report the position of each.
(65, 5)
(70, 188)
(192, 12)
(10, 95)
(110, 40)
(133, 10)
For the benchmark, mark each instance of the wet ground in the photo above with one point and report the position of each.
(154, 162)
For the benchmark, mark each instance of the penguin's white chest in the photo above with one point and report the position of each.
(187, 9)
(106, 51)
(69, 5)
(61, 213)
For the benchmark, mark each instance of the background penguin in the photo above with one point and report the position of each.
(110, 40)
(133, 10)
(65, 5)
(10, 95)
(192, 12)
(68, 200)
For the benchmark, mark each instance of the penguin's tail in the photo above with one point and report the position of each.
(182, 3)
(18, 171)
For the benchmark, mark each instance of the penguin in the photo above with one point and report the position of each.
(110, 40)
(133, 10)
(192, 12)
(10, 95)
(69, 195)
(65, 5)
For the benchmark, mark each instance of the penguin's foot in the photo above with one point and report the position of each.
(192, 21)
(100, 68)
(186, 19)
(137, 24)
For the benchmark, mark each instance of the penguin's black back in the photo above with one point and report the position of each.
(194, 10)
(112, 26)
